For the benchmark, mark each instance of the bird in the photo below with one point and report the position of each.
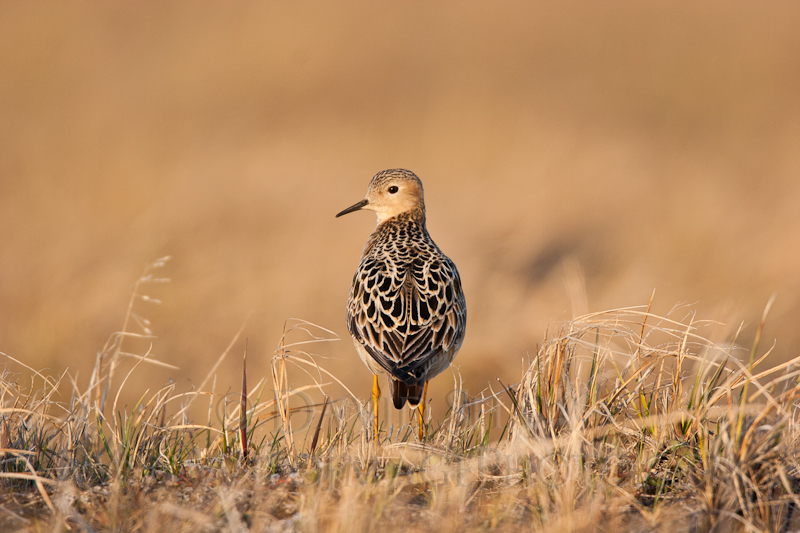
(406, 310)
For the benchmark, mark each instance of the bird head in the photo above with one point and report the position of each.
(391, 193)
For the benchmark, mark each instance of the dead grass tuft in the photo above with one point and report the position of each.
(623, 421)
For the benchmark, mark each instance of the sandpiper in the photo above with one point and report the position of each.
(406, 311)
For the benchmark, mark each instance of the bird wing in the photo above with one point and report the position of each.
(407, 315)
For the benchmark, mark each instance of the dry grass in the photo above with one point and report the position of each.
(622, 421)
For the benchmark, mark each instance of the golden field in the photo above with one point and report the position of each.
(576, 157)
(621, 148)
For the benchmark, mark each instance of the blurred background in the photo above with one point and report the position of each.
(575, 157)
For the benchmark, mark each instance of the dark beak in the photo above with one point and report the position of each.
(352, 208)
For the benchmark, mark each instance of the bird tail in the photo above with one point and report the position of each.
(402, 392)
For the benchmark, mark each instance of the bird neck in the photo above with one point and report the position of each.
(412, 216)
(392, 226)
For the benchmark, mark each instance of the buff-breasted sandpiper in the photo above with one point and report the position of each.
(406, 311)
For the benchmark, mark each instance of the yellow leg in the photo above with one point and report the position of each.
(376, 394)
(421, 412)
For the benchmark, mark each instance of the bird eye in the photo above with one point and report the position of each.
(393, 189)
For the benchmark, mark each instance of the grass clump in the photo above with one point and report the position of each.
(622, 421)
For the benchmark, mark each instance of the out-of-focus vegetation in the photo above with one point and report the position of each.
(575, 157)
